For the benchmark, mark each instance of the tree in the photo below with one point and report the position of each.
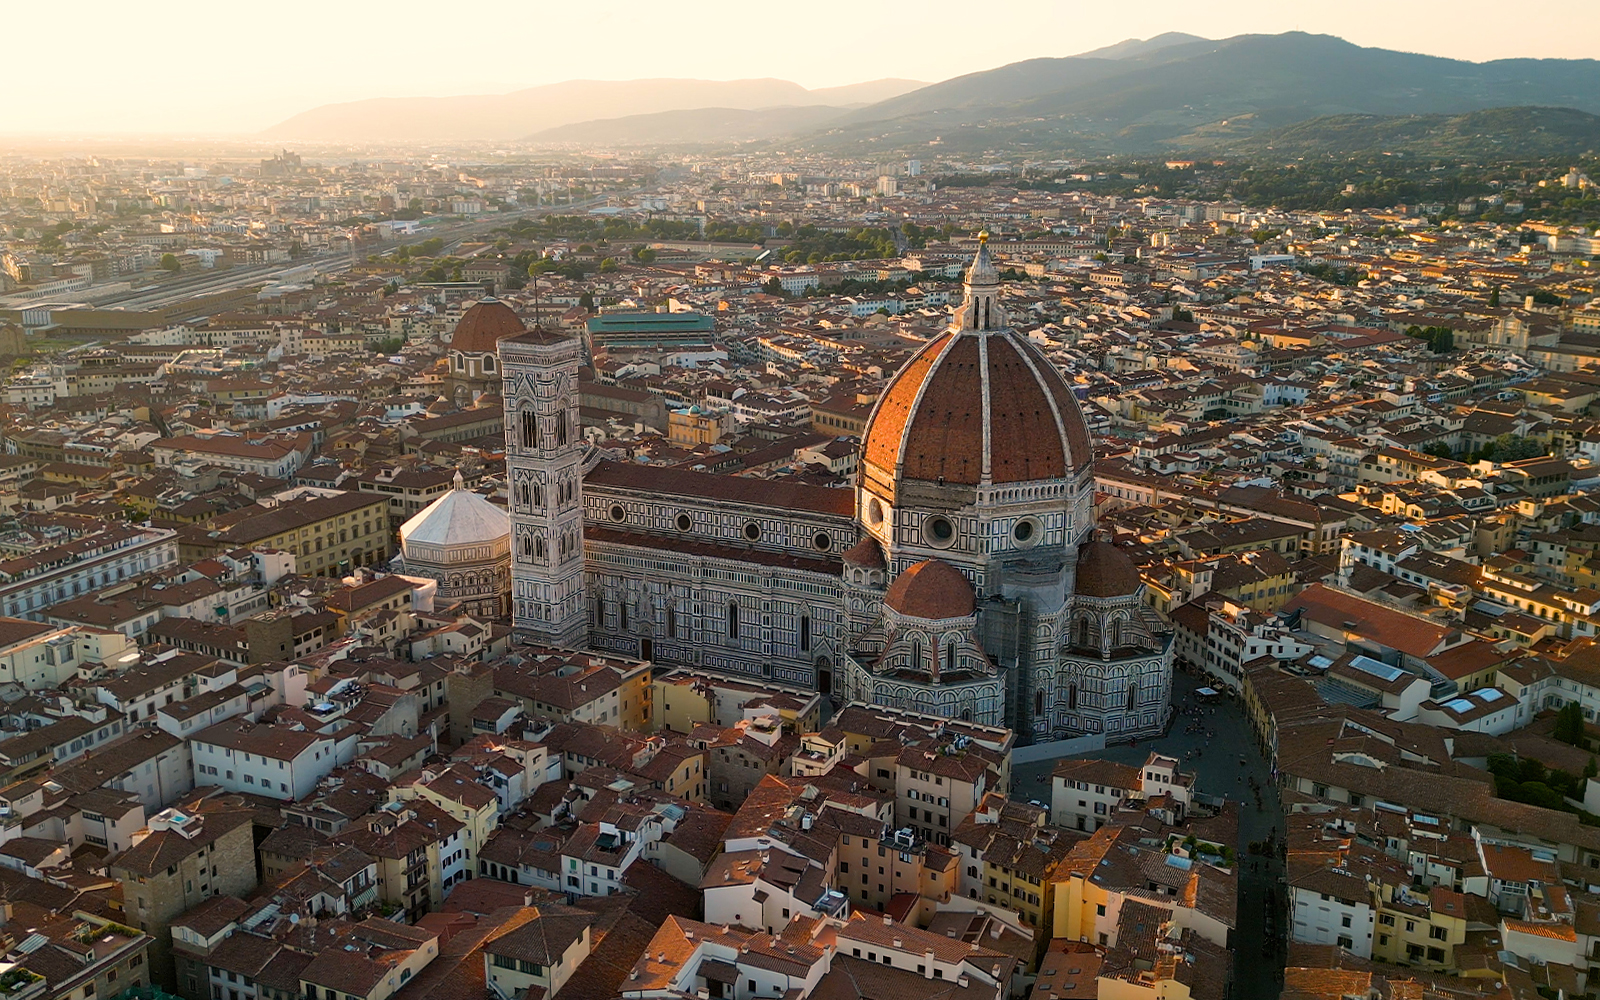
(608, 265)
(1438, 449)
(772, 286)
(1569, 724)
(1511, 448)
(170, 263)
(586, 301)
(1494, 297)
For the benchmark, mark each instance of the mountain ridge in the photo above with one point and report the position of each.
(515, 114)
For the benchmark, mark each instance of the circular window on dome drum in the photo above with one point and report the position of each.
(684, 523)
(1026, 531)
(941, 532)
(617, 513)
(874, 512)
(822, 542)
(752, 531)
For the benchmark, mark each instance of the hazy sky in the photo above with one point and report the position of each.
(186, 66)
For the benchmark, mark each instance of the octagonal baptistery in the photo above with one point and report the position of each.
(462, 540)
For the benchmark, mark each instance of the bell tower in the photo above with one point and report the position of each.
(544, 472)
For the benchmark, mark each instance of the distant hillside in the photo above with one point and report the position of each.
(1149, 94)
(510, 116)
(692, 127)
(1130, 47)
(1521, 133)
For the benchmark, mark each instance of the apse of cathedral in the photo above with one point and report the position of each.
(961, 577)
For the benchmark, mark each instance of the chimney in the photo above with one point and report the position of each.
(887, 920)
(927, 958)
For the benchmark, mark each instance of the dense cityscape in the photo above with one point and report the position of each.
(744, 569)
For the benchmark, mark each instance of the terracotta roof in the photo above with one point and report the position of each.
(482, 326)
(866, 552)
(931, 589)
(1105, 571)
(965, 390)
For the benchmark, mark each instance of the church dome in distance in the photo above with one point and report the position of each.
(931, 590)
(482, 326)
(1105, 571)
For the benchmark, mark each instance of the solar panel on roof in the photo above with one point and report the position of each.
(1383, 671)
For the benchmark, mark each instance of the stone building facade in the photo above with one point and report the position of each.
(960, 576)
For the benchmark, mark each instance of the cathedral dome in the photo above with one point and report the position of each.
(1105, 571)
(482, 326)
(978, 405)
(931, 590)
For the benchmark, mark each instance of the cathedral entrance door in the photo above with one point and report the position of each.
(646, 649)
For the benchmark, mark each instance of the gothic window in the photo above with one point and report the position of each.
(538, 495)
(1038, 703)
(527, 547)
(1083, 632)
(1072, 696)
(561, 429)
(538, 547)
(733, 620)
(1116, 633)
(524, 495)
(530, 429)
(950, 655)
(672, 622)
(1133, 695)
(805, 633)
(916, 653)
(622, 614)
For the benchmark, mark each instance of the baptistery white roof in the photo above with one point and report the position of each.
(460, 517)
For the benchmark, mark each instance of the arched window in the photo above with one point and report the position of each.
(538, 495)
(916, 653)
(1083, 632)
(1038, 703)
(1133, 695)
(672, 622)
(1072, 696)
(805, 633)
(1116, 633)
(527, 546)
(488, 362)
(530, 429)
(622, 614)
(950, 655)
(538, 547)
(561, 429)
(733, 620)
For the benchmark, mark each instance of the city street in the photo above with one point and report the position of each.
(1223, 737)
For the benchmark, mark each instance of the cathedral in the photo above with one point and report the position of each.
(961, 577)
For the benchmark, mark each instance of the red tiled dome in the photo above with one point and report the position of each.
(1105, 571)
(866, 553)
(931, 589)
(482, 326)
(965, 389)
